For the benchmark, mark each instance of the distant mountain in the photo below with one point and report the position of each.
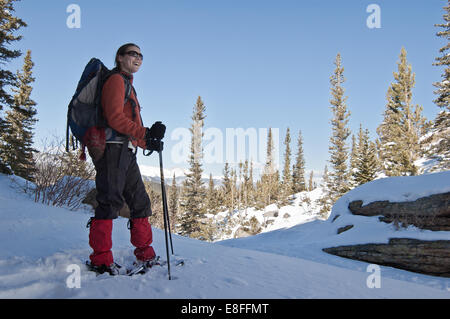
(152, 174)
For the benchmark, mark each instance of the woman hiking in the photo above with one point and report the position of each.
(118, 178)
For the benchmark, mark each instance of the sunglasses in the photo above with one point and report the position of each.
(135, 54)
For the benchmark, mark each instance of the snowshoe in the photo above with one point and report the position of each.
(141, 267)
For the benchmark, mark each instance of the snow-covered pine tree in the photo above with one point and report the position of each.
(338, 176)
(193, 189)
(403, 124)
(441, 128)
(9, 24)
(287, 183)
(17, 151)
(298, 169)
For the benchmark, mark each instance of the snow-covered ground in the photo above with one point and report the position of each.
(304, 208)
(42, 248)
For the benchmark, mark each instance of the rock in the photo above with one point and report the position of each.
(242, 232)
(431, 212)
(426, 257)
(271, 211)
(335, 217)
(91, 200)
(343, 229)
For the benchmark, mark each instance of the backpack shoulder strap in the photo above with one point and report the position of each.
(128, 88)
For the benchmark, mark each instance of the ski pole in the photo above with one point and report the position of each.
(165, 211)
(164, 200)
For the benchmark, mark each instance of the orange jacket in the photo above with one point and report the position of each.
(119, 116)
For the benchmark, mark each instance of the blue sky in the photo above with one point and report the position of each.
(256, 64)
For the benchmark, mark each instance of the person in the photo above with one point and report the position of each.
(118, 178)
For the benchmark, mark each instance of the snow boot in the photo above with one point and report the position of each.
(101, 242)
(113, 269)
(141, 238)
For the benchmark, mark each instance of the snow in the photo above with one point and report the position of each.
(304, 208)
(42, 245)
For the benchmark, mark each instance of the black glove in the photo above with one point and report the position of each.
(157, 131)
(154, 145)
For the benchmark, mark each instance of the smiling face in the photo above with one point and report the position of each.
(131, 60)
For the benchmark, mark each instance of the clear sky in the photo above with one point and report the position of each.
(255, 63)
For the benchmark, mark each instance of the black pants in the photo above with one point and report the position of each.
(119, 180)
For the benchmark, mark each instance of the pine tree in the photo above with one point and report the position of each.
(443, 87)
(251, 186)
(325, 177)
(157, 217)
(269, 178)
(287, 184)
(441, 127)
(298, 169)
(193, 189)
(247, 185)
(211, 197)
(260, 195)
(173, 203)
(234, 191)
(366, 160)
(403, 124)
(227, 192)
(240, 186)
(339, 177)
(9, 24)
(17, 151)
(353, 162)
(311, 185)
(325, 201)
(356, 157)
